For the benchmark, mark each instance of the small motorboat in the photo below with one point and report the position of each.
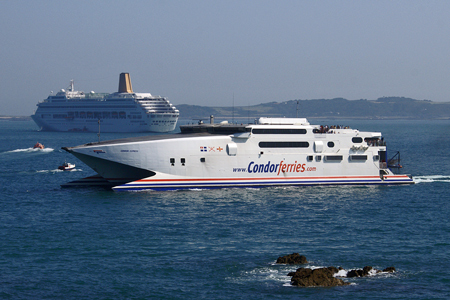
(38, 146)
(66, 167)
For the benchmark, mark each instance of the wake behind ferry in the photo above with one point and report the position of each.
(124, 111)
(270, 152)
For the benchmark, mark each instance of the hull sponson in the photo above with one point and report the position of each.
(118, 173)
(199, 183)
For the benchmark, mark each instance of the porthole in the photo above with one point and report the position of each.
(330, 144)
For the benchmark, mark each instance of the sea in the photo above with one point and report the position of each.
(92, 243)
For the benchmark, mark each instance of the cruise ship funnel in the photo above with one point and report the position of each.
(125, 83)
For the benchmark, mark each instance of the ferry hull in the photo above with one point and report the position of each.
(202, 183)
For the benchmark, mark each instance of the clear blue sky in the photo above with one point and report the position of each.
(204, 52)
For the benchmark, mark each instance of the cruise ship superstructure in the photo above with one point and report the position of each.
(124, 111)
(271, 152)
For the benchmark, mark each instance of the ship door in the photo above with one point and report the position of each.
(232, 149)
(318, 146)
(383, 159)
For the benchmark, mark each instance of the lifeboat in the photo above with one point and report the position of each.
(66, 167)
(38, 146)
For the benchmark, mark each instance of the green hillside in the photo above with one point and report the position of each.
(382, 108)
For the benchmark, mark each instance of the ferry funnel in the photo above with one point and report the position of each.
(125, 83)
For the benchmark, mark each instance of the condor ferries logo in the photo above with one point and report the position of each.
(99, 151)
(274, 168)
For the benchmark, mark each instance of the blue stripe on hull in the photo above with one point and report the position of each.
(217, 185)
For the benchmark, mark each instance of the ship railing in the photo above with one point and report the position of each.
(330, 129)
(375, 142)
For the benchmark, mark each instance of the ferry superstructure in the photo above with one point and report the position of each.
(124, 111)
(271, 152)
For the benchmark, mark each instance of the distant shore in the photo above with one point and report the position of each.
(15, 118)
(385, 108)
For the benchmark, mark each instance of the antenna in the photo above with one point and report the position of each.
(248, 111)
(98, 134)
(233, 109)
(296, 114)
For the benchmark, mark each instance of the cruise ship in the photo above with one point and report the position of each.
(124, 111)
(270, 152)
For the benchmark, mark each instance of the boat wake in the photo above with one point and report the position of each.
(58, 171)
(431, 178)
(31, 150)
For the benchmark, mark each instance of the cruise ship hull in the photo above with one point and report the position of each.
(202, 160)
(164, 124)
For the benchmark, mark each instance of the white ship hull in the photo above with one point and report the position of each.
(151, 124)
(249, 158)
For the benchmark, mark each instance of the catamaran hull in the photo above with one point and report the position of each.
(202, 183)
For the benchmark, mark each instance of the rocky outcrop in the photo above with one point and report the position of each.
(306, 277)
(292, 259)
(325, 277)
(360, 273)
(366, 271)
(389, 270)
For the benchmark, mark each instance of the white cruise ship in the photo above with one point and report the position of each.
(124, 111)
(271, 152)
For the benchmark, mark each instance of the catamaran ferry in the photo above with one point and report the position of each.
(124, 111)
(271, 152)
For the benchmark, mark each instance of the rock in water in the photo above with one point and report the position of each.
(306, 277)
(389, 269)
(292, 259)
(360, 273)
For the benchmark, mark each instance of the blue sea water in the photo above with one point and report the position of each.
(220, 244)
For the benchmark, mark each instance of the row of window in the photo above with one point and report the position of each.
(278, 131)
(289, 144)
(95, 115)
(356, 140)
(331, 158)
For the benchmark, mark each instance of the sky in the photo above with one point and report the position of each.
(220, 53)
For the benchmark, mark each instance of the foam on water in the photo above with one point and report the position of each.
(31, 150)
(58, 171)
(431, 178)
